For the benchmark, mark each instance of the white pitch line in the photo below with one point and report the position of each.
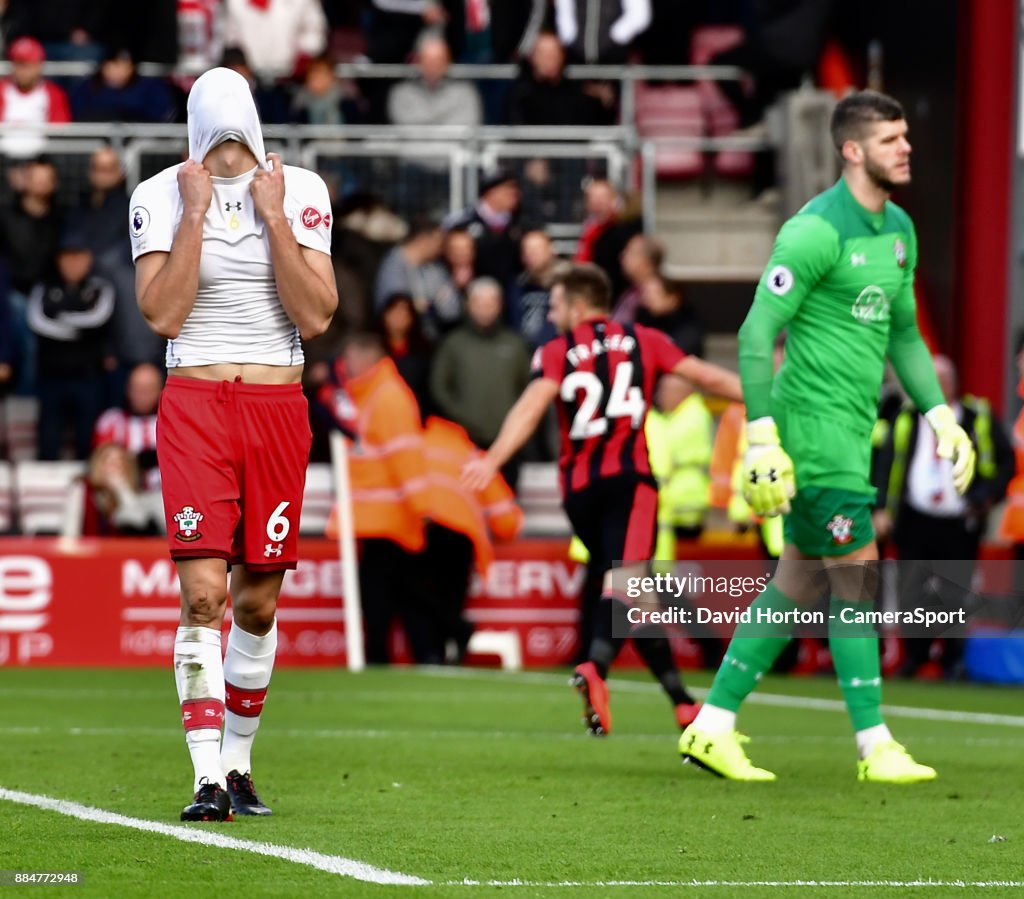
(828, 884)
(332, 864)
(773, 699)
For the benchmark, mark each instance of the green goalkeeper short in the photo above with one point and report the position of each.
(831, 512)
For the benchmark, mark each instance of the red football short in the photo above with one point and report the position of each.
(233, 462)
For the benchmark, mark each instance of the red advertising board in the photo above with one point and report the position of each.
(115, 602)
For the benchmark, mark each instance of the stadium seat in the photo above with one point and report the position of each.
(41, 494)
(6, 497)
(671, 111)
(318, 500)
(540, 497)
(720, 115)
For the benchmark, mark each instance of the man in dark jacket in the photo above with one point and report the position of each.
(494, 224)
(29, 232)
(69, 315)
(601, 32)
(480, 369)
(935, 531)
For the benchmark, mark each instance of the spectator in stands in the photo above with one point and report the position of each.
(26, 98)
(271, 102)
(395, 25)
(515, 25)
(132, 424)
(320, 100)
(641, 261)
(118, 93)
(606, 230)
(663, 307)
(278, 36)
(69, 314)
(601, 33)
(783, 41)
(459, 257)
(494, 225)
(530, 297)
(110, 500)
(433, 99)
(200, 35)
(29, 233)
(101, 213)
(408, 346)
(480, 369)
(927, 518)
(542, 95)
(413, 268)
(69, 30)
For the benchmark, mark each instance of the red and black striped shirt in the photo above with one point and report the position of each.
(606, 373)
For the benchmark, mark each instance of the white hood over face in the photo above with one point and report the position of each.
(220, 108)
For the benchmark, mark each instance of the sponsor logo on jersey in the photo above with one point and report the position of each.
(858, 259)
(273, 549)
(312, 218)
(228, 206)
(779, 280)
(872, 305)
(140, 221)
(188, 524)
(841, 529)
(900, 249)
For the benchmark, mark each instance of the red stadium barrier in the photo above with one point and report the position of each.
(115, 603)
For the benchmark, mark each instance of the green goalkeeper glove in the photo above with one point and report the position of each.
(954, 444)
(768, 479)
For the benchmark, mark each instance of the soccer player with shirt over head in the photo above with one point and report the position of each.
(841, 281)
(603, 374)
(233, 267)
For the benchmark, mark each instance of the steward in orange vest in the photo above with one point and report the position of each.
(462, 524)
(390, 500)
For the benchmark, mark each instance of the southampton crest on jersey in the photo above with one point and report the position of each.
(900, 250)
(188, 524)
(841, 529)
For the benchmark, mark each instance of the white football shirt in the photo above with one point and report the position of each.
(237, 316)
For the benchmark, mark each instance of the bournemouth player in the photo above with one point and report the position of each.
(841, 281)
(233, 267)
(603, 375)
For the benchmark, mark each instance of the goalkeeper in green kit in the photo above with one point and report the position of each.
(841, 282)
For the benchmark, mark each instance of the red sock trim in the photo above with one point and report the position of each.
(246, 703)
(197, 714)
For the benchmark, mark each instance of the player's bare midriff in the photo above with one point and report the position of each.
(249, 372)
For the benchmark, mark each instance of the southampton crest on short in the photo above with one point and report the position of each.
(188, 524)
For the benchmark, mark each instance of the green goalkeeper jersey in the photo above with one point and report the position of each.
(841, 281)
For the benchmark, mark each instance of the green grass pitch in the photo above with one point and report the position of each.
(486, 776)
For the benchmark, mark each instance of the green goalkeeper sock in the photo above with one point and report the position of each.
(752, 651)
(856, 658)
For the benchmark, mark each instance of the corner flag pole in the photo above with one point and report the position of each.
(354, 647)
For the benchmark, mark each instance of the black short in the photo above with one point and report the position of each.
(616, 518)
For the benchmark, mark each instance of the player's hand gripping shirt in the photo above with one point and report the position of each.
(606, 373)
(841, 280)
(237, 316)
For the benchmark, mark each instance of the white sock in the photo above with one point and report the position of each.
(713, 720)
(199, 676)
(870, 737)
(248, 664)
